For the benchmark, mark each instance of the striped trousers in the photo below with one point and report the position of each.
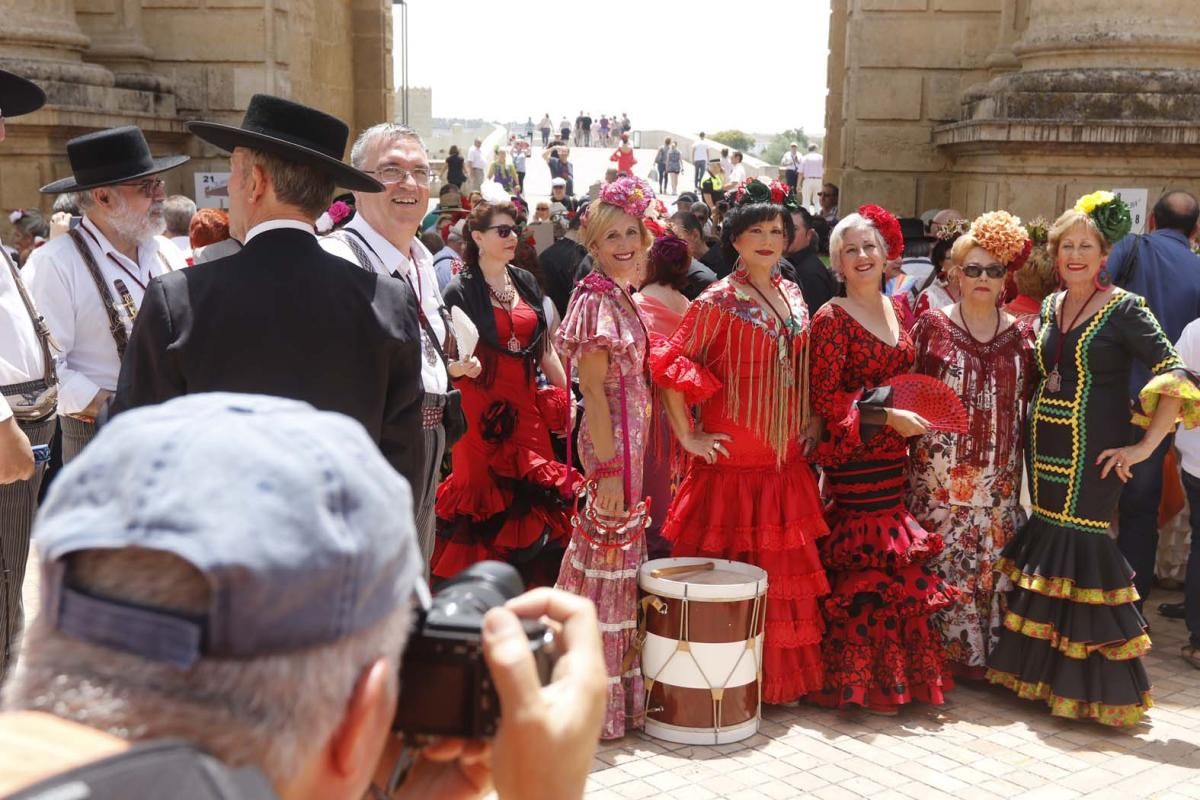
(18, 504)
(435, 449)
(75, 436)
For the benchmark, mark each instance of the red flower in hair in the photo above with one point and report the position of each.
(1022, 257)
(654, 226)
(888, 226)
(778, 191)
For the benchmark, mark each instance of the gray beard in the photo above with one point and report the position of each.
(141, 229)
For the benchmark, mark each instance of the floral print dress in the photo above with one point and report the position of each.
(967, 487)
(601, 316)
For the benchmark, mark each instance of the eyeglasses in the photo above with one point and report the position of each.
(390, 173)
(976, 270)
(148, 187)
(503, 231)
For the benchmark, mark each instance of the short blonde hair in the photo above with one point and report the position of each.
(1069, 220)
(602, 217)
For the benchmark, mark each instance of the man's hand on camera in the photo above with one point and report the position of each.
(547, 734)
(451, 769)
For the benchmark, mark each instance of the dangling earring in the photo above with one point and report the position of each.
(1103, 278)
(739, 270)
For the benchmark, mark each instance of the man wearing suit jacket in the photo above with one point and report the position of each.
(281, 316)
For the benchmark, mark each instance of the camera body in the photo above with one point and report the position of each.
(446, 688)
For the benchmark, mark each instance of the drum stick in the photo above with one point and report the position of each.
(665, 572)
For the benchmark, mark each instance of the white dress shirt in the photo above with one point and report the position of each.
(736, 174)
(279, 225)
(5, 411)
(21, 358)
(66, 297)
(417, 269)
(475, 158)
(791, 161)
(812, 166)
(700, 151)
(1188, 441)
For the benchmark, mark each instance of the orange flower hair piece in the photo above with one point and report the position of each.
(1002, 235)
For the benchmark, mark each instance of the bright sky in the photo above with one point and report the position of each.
(670, 64)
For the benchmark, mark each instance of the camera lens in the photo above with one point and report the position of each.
(479, 587)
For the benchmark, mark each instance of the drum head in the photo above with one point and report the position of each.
(726, 580)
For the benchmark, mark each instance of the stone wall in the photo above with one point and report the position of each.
(157, 63)
(1016, 104)
(896, 69)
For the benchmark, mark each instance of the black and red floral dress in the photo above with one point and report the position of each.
(880, 650)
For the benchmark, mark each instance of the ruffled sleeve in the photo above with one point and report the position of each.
(1145, 339)
(595, 321)
(673, 363)
(837, 407)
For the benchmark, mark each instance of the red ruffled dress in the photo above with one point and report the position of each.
(881, 651)
(761, 504)
(504, 499)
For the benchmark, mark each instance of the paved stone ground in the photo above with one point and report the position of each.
(984, 743)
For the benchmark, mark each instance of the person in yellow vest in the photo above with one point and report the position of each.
(712, 188)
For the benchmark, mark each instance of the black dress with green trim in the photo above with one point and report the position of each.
(1072, 635)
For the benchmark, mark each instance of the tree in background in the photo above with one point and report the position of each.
(735, 139)
(782, 141)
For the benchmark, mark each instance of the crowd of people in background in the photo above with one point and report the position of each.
(766, 371)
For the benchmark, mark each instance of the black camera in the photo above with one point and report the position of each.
(445, 686)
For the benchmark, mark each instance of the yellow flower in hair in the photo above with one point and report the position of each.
(1089, 202)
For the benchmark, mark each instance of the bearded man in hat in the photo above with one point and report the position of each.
(28, 391)
(281, 316)
(90, 283)
(382, 239)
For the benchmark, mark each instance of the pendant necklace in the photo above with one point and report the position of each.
(1054, 379)
(505, 299)
(783, 339)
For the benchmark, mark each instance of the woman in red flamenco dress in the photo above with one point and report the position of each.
(505, 498)
(748, 493)
(880, 652)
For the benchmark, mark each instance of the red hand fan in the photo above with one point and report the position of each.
(932, 399)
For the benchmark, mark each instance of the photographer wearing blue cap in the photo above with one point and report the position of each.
(236, 573)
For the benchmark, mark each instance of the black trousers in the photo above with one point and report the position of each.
(1137, 516)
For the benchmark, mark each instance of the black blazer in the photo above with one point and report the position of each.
(283, 317)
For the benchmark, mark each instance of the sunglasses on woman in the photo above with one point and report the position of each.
(503, 231)
(975, 270)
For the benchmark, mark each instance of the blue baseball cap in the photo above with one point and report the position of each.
(303, 530)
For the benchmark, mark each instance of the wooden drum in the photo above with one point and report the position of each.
(702, 657)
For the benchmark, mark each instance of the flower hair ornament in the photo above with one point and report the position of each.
(888, 226)
(333, 216)
(952, 230)
(16, 215)
(1002, 235)
(754, 190)
(1109, 212)
(632, 195)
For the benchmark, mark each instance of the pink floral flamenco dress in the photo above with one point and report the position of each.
(601, 563)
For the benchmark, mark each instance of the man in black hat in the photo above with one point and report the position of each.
(28, 390)
(281, 316)
(90, 283)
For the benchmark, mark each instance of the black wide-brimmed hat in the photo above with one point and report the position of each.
(18, 95)
(292, 131)
(103, 158)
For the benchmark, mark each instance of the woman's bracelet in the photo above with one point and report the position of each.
(608, 469)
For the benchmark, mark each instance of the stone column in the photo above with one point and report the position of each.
(40, 40)
(1104, 97)
(1073, 34)
(117, 41)
(1013, 15)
